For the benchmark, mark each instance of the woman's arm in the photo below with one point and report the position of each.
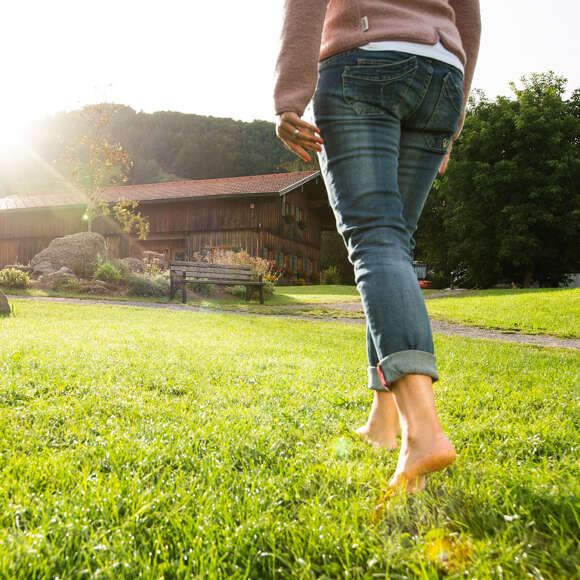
(296, 71)
(468, 22)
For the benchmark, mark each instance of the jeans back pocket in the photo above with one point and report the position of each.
(381, 85)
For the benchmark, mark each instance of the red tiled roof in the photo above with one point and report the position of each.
(251, 185)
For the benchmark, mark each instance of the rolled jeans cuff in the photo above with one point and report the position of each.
(405, 362)
(375, 380)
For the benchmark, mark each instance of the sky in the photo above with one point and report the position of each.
(217, 58)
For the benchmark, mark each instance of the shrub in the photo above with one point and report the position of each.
(314, 278)
(152, 269)
(258, 266)
(12, 278)
(268, 289)
(66, 284)
(240, 291)
(143, 285)
(439, 279)
(83, 268)
(107, 272)
(236, 291)
(331, 275)
(204, 289)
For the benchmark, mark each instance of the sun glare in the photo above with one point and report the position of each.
(11, 137)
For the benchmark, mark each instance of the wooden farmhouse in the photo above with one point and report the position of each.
(279, 217)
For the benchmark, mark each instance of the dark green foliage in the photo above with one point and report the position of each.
(333, 254)
(331, 276)
(236, 291)
(145, 285)
(508, 207)
(164, 146)
(107, 272)
(207, 290)
(67, 284)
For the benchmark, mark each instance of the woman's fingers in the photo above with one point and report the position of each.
(298, 132)
(295, 121)
(298, 135)
(297, 150)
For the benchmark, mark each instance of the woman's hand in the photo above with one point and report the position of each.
(445, 161)
(298, 135)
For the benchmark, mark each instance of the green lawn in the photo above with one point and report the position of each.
(137, 442)
(541, 311)
(284, 295)
(530, 311)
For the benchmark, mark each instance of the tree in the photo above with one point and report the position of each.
(508, 206)
(97, 162)
(333, 253)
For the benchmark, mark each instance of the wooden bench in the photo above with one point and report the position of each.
(180, 273)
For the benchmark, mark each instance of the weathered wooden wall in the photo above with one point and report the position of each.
(24, 233)
(181, 228)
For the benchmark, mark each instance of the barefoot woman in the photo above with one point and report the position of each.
(392, 79)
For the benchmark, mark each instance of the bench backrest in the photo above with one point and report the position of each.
(203, 270)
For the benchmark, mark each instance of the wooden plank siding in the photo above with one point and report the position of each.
(180, 228)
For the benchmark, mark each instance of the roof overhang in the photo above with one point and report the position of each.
(299, 183)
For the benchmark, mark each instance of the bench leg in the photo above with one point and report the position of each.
(261, 294)
(248, 293)
(183, 290)
(172, 289)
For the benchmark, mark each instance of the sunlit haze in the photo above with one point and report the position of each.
(216, 58)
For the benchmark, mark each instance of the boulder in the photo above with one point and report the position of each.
(4, 306)
(43, 268)
(94, 287)
(63, 273)
(77, 252)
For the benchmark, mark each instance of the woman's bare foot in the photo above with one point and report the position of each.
(424, 448)
(382, 427)
(377, 438)
(417, 459)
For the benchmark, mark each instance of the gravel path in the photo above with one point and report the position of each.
(438, 326)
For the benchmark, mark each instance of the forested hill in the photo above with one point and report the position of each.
(163, 146)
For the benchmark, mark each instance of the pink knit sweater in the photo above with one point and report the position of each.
(316, 29)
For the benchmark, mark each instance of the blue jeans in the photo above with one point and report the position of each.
(387, 119)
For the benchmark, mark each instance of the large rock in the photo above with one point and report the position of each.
(43, 268)
(4, 306)
(52, 279)
(77, 252)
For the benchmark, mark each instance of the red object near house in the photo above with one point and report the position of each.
(425, 283)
